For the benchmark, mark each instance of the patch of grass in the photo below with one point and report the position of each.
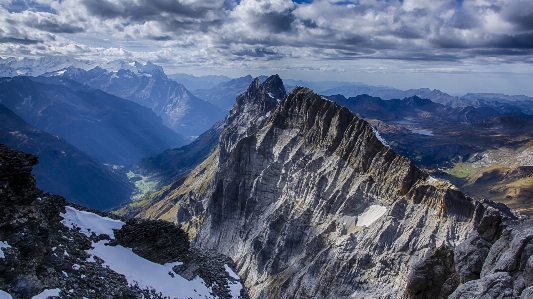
(461, 170)
(144, 184)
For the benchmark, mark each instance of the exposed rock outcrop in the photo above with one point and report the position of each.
(309, 203)
(496, 261)
(71, 252)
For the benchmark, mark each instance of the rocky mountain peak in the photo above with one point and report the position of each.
(303, 191)
(259, 98)
(17, 179)
(251, 109)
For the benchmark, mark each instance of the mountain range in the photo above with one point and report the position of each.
(302, 195)
(109, 128)
(500, 102)
(149, 86)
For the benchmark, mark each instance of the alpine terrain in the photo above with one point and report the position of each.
(309, 203)
(149, 86)
(50, 249)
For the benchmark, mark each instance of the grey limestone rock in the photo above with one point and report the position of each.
(502, 268)
(309, 203)
(494, 286)
(434, 277)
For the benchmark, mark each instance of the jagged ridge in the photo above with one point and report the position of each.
(285, 191)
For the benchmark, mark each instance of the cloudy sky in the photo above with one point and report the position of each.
(454, 45)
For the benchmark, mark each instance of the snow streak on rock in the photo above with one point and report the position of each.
(235, 287)
(371, 215)
(147, 274)
(4, 295)
(379, 137)
(3, 245)
(47, 293)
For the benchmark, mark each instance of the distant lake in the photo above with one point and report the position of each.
(405, 122)
(422, 132)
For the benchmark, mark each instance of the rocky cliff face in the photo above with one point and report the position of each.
(310, 204)
(51, 249)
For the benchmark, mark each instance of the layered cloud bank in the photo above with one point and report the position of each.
(263, 33)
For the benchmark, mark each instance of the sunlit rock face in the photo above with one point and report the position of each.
(309, 203)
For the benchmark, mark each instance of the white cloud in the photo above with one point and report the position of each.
(258, 33)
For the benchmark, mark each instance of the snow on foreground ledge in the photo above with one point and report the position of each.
(148, 274)
(137, 270)
(3, 244)
(90, 222)
(47, 293)
(370, 215)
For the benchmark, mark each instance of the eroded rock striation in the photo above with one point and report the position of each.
(309, 203)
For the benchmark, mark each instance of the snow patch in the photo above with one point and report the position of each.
(370, 215)
(378, 136)
(148, 274)
(47, 293)
(235, 287)
(3, 244)
(5, 295)
(431, 180)
(268, 114)
(90, 222)
(230, 272)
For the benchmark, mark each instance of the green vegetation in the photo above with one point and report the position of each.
(499, 175)
(461, 170)
(145, 185)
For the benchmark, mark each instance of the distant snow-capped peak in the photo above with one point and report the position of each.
(10, 67)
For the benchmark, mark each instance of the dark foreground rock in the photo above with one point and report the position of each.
(38, 252)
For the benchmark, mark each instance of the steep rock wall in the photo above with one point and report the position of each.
(288, 190)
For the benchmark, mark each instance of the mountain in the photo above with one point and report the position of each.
(422, 110)
(499, 102)
(48, 248)
(149, 86)
(174, 164)
(317, 86)
(109, 128)
(480, 150)
(309, 203)
(223, 95)
(64, 169)
(192, 82)
(11, 67)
